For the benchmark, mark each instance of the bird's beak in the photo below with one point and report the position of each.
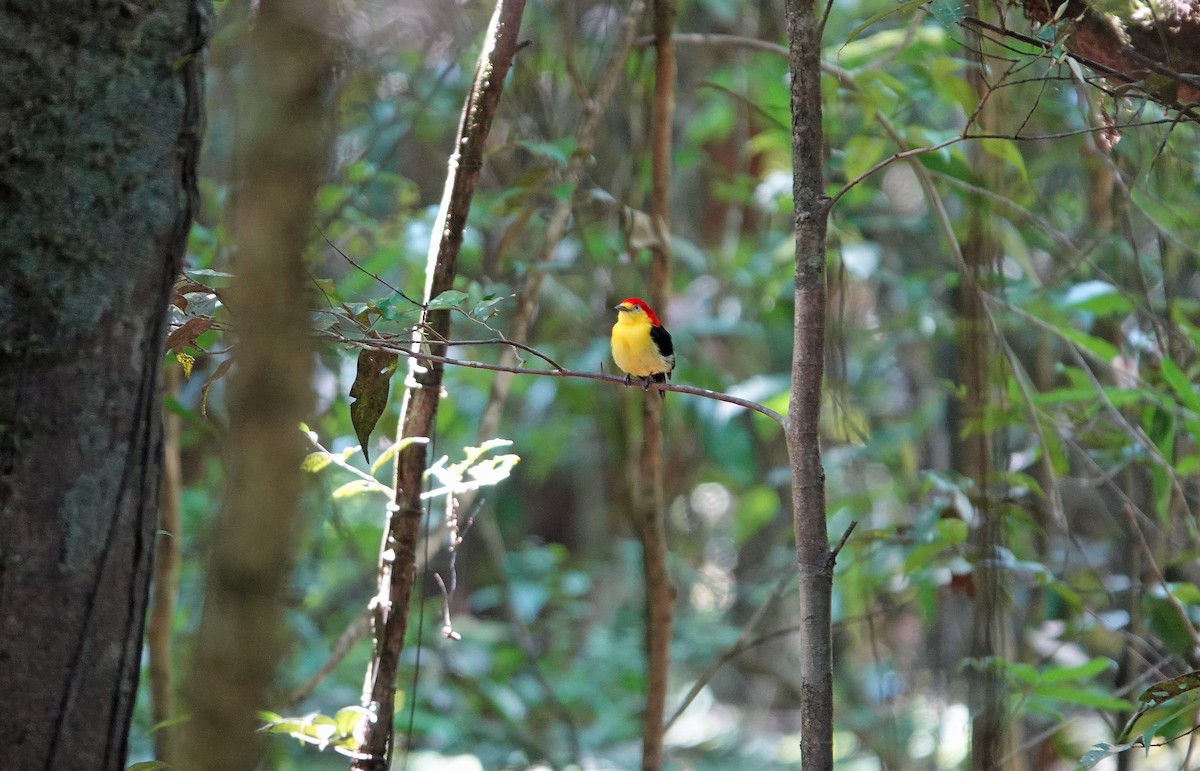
(621, 307)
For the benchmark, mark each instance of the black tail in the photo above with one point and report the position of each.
(661, 377)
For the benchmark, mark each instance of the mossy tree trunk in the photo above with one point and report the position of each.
(100, 111)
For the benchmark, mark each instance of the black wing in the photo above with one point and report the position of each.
(662, 340)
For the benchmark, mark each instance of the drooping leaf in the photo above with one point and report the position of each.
(370, 392)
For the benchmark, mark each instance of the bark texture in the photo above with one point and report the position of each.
(814, 559)
(100, 119)
(284, 142)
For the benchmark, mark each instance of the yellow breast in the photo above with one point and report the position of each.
(632, 349)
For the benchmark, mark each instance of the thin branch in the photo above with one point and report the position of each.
(511, 343)
(717, 40)
(733, 651)
(354, 633)
(361, 269)
(833, 555)
(403, 350)
(1176, 605)
(905, 154)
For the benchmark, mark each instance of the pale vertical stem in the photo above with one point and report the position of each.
(398, 551)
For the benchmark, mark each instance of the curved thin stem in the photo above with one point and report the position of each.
(404, 350)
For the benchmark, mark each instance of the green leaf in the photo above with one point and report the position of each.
(487, 306)
(370, 392)
(907, 5)
(1081, 672)
(1101, 751)
(1098, 297)
(1005, 150)
(1100, 348)
(952, 530)
(316, 461)
(394, 448)
(349, 718)
(147, 765)
(1180, 384)
(1085, 697)
(451, 298)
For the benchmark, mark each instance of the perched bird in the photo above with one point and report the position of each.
(641, 347)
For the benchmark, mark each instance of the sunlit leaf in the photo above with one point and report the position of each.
(314, 462)
(394, 448)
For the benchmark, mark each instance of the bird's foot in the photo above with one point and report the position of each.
(627, 380)
(646, 383)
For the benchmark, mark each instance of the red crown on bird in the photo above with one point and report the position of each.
(640, 303)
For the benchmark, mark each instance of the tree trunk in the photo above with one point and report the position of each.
(284, 142)
(649, 511)
(100, 111)
(814, 559)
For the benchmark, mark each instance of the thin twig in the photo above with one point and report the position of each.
(733, 651)
(361, 269)
(511, 343)
(1171, 598)
(403, 350)
(354, 633)
(833, 555)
